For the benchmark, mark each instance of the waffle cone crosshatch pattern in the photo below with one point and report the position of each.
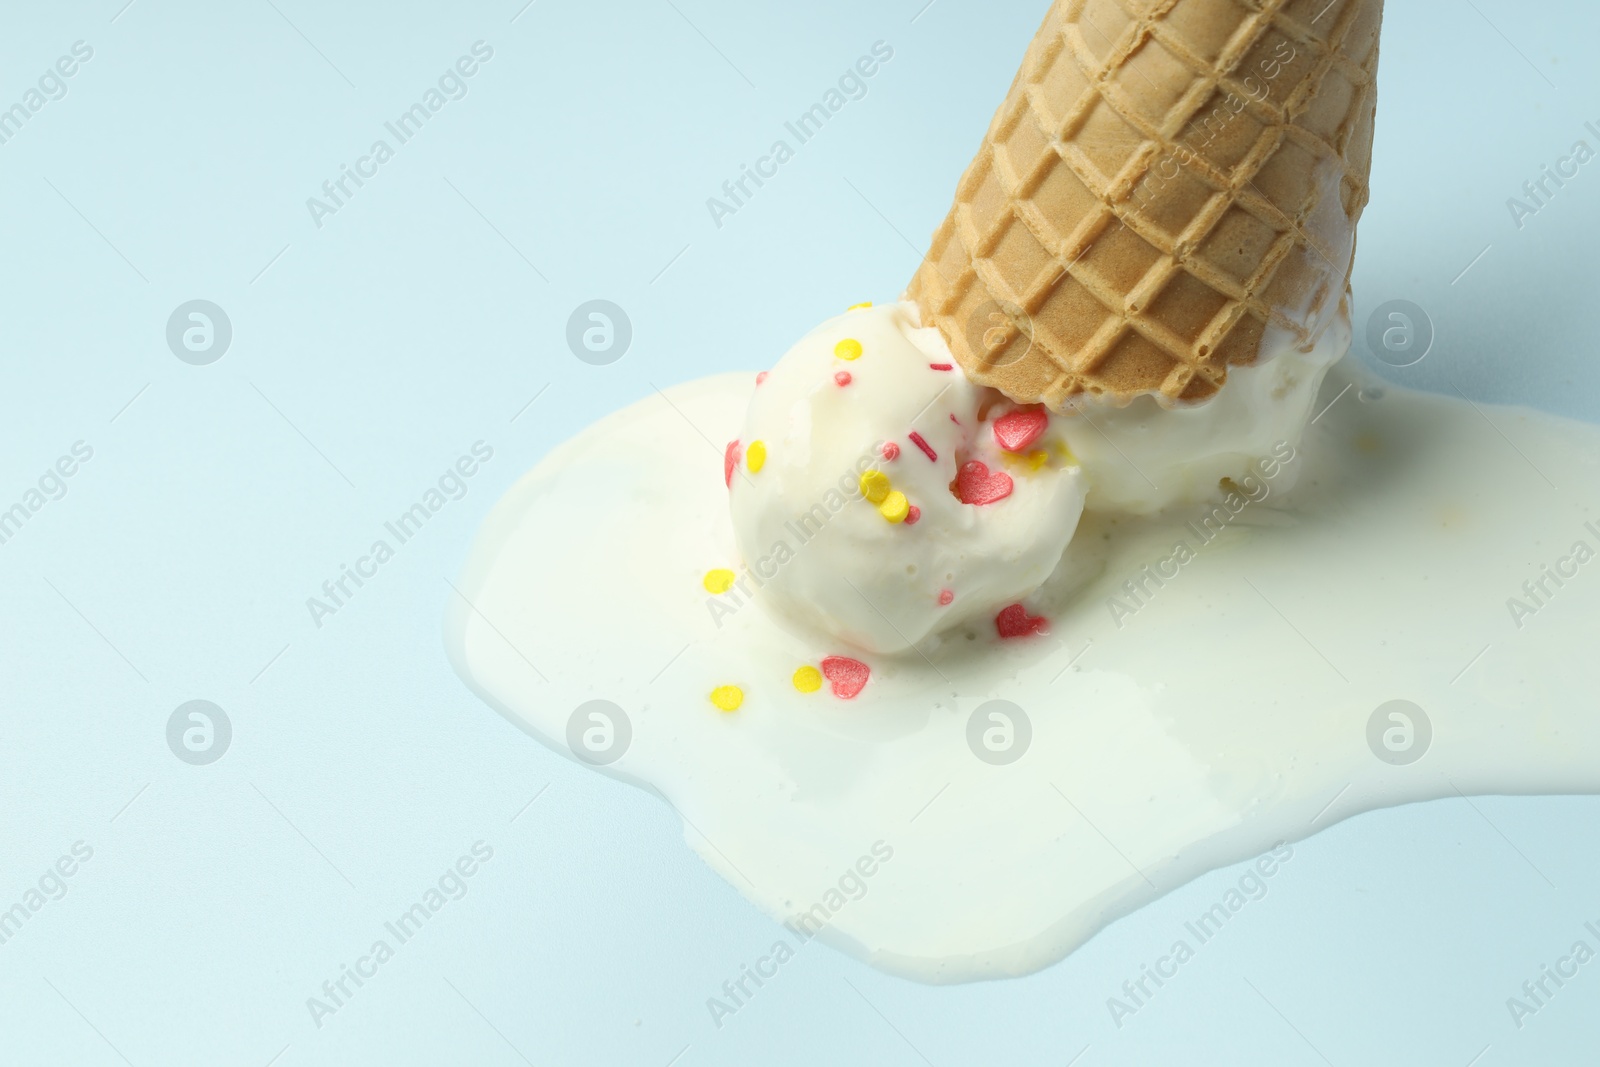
(1165, 183)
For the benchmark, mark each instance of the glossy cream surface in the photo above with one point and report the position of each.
(1214, 679)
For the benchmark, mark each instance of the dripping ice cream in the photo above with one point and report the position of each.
(880, 497)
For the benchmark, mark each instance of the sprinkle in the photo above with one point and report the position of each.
(891, 450)
(976, 484)
(941, 366)
(1038, 458)
(894, 507)
(945, 598)
(807, 679)
(718, 581)
(730, 460)
(761, 376)
(913, 513)
(727, 697)
(858, 307)
(1016, 430)
(755, 457)
(954, 419)
(843, 377)
(927, 449)
(849, 348)
(874, 486)
(1014, 621)
(847, 676)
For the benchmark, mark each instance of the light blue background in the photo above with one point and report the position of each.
(422, 318)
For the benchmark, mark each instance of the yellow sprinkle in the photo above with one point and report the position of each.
(727, 697)
(807, 679)
(1038, 458)
(875, 486)
(1066, 454)
(849, 348)
(718, 581)
(895, 507)
(755, 457)
(858, 307)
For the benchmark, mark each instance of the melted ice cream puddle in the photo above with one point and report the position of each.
(1175, 727)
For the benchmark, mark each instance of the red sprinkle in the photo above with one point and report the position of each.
(891, 450)
(847, 676)
(954, 419)
(843, 377)
(941, 366)
(1016, 430)
(730, 460)
(913, 513)
(976, 484)
(945, 597)
(1014, 621)
(761, 376)
(927, 449)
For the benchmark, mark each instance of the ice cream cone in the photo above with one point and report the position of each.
(1171, 188)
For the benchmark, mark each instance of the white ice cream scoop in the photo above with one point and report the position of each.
(880, 497)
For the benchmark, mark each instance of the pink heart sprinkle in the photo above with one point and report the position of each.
(1014, 621)
(891, 450)
(847, 676)
(843, 377)
(1016, 430)
(977, 485)
(761, 376)
(730, 460)
(945, 598)
(913, 513)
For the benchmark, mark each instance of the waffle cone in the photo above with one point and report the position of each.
(1168, 184)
